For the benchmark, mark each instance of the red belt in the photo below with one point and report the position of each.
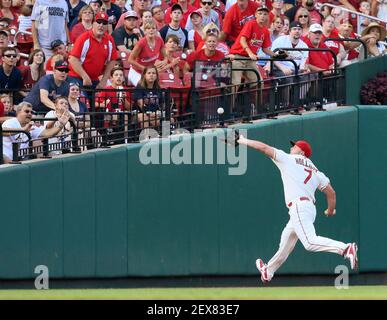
(301, 198)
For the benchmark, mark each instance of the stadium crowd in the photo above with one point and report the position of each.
(56, 48)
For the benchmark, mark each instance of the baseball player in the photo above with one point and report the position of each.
(300, 179)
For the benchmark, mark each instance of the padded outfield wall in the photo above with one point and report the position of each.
(104, 214)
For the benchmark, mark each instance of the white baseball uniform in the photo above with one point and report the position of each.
(300, 179)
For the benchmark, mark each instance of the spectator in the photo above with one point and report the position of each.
(10, 75)
(285, 29)
(253, 36)
(75, 7)
(7, 11)
(95, 5)
(139, 6)
(5, 100)
(186, 7)
(121, 4)
(175, 63)
(4, 39)
(373, 35)
(114, 100)
(338, 15)
(195, 36)
(94, 54)
(75, 105)
(328, 26)
(148, 96)
(302, 17)
(61, 107)
(32, 73)
(293, 40)
(213, 29)
(112, 10)
(147, 52)
(315, 15)
(57, 47)
(50, 65)
(207, 53)
(276, 28)
(23, 121)
(84, 23)
(146, 17)
(49, 23)
(345, 30)
(277, 10)
(174, 27)
(209, 15)
(379, 9)
(158, 16)
(235, 18)
(125, 36)
(318, 60)
(363, 22)
(45, 91)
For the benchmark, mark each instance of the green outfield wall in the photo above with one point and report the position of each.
(105, 214)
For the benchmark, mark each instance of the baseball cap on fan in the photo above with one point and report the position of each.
(304, 146)
(316, 28)
(61, 66)
(101, 16)
(130, 14)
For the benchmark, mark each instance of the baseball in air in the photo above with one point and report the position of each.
(220, 110)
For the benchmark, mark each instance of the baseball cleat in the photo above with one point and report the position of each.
(350, 253)
(262, 268)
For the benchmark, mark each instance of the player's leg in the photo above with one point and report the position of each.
(302, 216)
(287, 244)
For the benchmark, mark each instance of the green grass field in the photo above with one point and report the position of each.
(282, 293)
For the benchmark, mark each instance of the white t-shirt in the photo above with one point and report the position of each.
(299, 57)
(51, 17)
(300, 177)
(20, 137)
(65, 131)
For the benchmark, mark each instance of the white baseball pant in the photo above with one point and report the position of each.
(300, 226)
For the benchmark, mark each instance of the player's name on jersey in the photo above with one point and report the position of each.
(306, 163)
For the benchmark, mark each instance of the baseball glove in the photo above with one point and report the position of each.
(233, 138)
(281, 54)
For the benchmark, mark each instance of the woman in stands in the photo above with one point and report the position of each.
(85, 22)
(175, 62)
(7, 11)
(75, 106)
(276, 28)
(373, 36)
(35, 69)
(148, 51)
(195, 36)
(303, 17)
(212, 29)
(148, 97)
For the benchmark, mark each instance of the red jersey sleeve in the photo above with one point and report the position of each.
(266, 41)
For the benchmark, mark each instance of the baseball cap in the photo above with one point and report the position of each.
(176, 6)
(96, 1)
(101, 16)
(196, 12)
(315, 27)
(304, 146)
(295, 24)
(4, 33)
(56, 43)
(62, 66)
(262, 7)
(130, 14)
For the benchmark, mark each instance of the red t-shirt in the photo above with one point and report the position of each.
(147, 57)
(199, 55)
(334, 45)
(186, 14)
(94, 55)
(235, 19)
(352, 54)
(76, 31)
(257, 37)
(115, 102)
(319, 59)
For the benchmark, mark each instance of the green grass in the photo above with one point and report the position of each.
(319, 293)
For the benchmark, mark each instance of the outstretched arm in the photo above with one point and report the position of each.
(331, 199)
(257, 145)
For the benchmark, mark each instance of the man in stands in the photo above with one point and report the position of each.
(94, 54)
(44, 92)
(235, 18)
(10, 75)
(187, 9)
(318, 60)
(57, 47)
(124, 36)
